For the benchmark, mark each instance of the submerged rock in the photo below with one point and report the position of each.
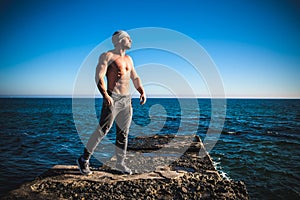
(162, 171)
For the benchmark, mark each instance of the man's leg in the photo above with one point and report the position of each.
(123, 120)
(106, 121)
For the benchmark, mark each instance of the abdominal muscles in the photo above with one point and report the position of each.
(118, 78)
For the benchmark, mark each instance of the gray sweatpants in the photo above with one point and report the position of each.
(121, 113)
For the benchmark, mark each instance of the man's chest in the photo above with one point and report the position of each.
(121, 65)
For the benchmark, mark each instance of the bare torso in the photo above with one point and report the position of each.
(118, 74)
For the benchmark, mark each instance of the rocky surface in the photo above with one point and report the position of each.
(166, 167)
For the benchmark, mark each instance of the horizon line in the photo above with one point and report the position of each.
(149, 97)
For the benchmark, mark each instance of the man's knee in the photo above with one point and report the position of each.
(122, 137)
(105, 129)
(102, 130)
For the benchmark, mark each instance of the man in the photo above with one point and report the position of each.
(118, 68)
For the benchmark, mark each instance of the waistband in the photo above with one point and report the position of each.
(118, 96)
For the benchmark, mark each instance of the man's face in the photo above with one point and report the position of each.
(126, 42)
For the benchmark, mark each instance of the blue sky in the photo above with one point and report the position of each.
(254, 44)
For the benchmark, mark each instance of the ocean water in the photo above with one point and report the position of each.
(259, 144)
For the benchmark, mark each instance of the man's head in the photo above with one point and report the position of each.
(121, 38)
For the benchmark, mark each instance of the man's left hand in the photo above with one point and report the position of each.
(143, 99)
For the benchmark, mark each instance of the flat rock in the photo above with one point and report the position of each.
(162, 171)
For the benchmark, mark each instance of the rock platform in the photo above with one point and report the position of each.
(165, 167)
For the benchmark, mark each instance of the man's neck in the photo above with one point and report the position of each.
(120, 51)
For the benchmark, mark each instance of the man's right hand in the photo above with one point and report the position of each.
(108, 100)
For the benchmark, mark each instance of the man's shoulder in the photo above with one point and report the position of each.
(129, 58)
(106, 55)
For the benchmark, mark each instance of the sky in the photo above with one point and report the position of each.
(254, 44)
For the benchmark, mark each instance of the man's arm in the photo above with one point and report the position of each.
(138, 84)
(100, 73)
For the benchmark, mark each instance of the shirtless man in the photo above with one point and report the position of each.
(118, 68)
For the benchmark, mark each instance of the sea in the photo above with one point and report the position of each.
(257, 140)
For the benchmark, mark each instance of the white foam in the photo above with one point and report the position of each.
(218, 167)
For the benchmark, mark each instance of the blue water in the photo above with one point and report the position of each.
(259, 144)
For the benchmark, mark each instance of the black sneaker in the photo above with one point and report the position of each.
(123, 169)
(83, 166)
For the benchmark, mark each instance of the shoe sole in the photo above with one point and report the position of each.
(87, 174)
